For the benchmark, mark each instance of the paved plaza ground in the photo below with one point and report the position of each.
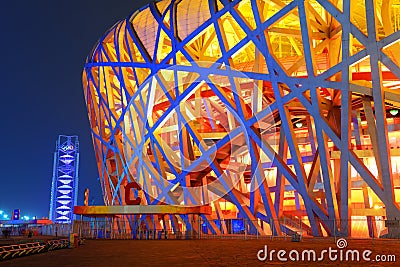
(218, 252)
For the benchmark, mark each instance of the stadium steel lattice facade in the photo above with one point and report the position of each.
(283, 113)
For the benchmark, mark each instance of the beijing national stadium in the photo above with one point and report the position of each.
(281, 115)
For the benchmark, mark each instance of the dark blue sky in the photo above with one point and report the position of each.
(44, 45)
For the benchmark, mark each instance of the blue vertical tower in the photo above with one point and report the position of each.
(64, 187)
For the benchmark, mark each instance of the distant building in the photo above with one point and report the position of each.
(64, 187)
(16, 214)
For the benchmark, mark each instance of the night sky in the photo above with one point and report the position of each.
(44, 45)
